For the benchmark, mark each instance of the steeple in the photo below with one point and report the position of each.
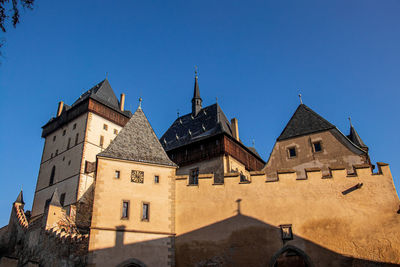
(355, 138)
(55, 199)
(196, 100)
(20, 198)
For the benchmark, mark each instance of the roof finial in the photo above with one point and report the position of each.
(106, 75)
(350, 122)
(177, 112)
(140, 102)
(301, 100)
(196, 70)
(254, 143)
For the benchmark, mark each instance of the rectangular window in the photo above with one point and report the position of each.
(156, 179)
(194, 176)
(64, 132)
(145, 211)
(115, 131)
(101, 140)
(117, 174)
(317, 146)
(105, 127)
(125, 210)
(69, 143)
(76, 138)
(74, 127)
(292, 152)
(62, 199)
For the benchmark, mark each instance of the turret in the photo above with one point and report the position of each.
(54, 212)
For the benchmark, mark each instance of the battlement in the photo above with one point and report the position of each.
(312, 174)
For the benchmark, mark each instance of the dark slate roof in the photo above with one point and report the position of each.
(20, 198)
(137, 142)
(55, 199)
(304, 121)
(355, 138)
(103, 93)
(186, 129)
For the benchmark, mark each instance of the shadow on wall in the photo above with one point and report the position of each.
(236, 241)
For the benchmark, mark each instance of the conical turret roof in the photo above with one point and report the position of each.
(137, 142)
(355, 138)
(20, 198)
(55, 199)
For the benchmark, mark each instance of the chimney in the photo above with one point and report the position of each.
(60, 108)
(122, 102)
(235, 128)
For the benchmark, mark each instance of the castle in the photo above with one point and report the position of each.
(110, 193)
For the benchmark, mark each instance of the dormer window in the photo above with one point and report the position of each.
(292, 153)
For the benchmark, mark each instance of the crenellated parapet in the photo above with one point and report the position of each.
(20, 216)
(336, 173)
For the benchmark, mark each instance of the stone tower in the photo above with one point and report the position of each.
(73, 138)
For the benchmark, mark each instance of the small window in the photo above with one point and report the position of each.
(69, 162)
(101, 140)
(292, 152)
(56, 152)
(53, 173)
(64, 132)
(317, 146)
(76, 138)
(145, 212)
(117, 174)
(156, 179)
(243, 178)
(194, 176)
(115, 131)
(69, 143)
(62, 199)
(54, 138)
(125, 210)
(105, 127)
(74, 127)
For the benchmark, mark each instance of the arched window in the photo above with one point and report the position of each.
(53, 172)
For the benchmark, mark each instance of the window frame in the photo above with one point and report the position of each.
(127, 209)
(156, 179)
(147, 219)
(194, 176)
(288, 152)
(320, 145)
(117, 177)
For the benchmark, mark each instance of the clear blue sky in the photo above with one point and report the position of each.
(254, 56)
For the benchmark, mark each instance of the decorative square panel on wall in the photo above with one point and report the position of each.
(137, 176)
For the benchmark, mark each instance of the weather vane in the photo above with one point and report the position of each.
(301, 100)
(196, 70)
(350, 121)
(140, 102)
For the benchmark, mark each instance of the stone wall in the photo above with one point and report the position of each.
(336, 220)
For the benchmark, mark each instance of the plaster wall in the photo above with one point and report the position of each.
(109, 194)
(333, 154)
(238, 224)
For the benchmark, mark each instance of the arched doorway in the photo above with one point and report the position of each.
(290, 256)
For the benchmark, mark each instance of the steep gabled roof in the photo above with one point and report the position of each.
(137, 142)
(355, 138)
(186, 129)
(304, 121)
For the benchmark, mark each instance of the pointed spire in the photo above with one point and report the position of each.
(355, 138)
(20, 198)
(196, 100)
(55, 199)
